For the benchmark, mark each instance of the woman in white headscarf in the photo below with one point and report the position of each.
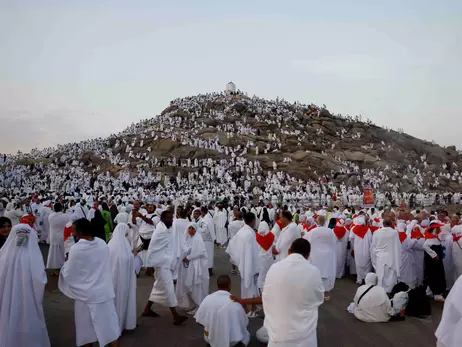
(193, 275)
(265, 240)
(22, 322)
(123, 276)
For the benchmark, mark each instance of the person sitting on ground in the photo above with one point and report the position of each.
(224, 320)
(371, 303)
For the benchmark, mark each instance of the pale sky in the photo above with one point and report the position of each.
(76, 69)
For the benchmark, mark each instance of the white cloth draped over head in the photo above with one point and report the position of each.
(22, 287)
(191, 279)
(263, 228)
(123, 277)
(161, 248)
(91, 283)
(224, 320)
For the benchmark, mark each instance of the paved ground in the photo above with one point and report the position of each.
(336, 327)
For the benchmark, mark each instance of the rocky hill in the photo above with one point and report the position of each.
(305, 141)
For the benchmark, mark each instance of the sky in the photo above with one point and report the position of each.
(78, 69)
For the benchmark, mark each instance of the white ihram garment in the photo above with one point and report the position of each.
(193, 278)
(323, 255)
(22, 271)
(449, 332)
(287, 236)
(341, 253)
(243, 250)
(386, 257)
(161, 257)
(224, 320)
(407, 272)
(234, 227)
(207, 229)
(123, 277)
(291, 320)
(56, 252)
(219, 219)
(362, 255)
(178, 234)
(457, 251)
(86, 277)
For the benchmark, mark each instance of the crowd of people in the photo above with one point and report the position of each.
(98, 251)
(113, 209)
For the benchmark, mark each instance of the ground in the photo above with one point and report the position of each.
(336, 327)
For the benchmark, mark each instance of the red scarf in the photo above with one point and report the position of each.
(456, 238)
(340, 232)
(266, 241)
(67, 232)
(429, 236)
(308, 229)
(279, 224)
(402, 236)
(360, 230)
(374, 228)
(416, 233)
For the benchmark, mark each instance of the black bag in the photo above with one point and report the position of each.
(419, 304)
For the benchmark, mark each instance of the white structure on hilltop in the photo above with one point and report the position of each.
(230, 87)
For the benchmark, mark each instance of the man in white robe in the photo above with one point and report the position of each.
(407, 273)
(220, 221)
(449, 332)
(207, 229)
(123, 277)
(193, 277)
(224, 321)
(323, 254)
(236, 224)
(243, 251)
(457, 250)
(56, 253)
(291, 319)
(161, 257)
(288, 235)
(86, 278)
(371, 302)
(179, 238)
(386, 255)
(341, 247)
(22, 322)
(361, 239)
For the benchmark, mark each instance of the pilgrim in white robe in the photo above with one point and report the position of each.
(374, 306)
(123, 277)
(407, 270)
(449, 332)
(86, 277)
(243, 251)
(178, 238)
(207, 229)
(220, 219)
(447, 241)
(457, 250)
(287, 235)
(193, 277)
(22, 322)
(416, 234)
(341, 245)
(56, 252)
(386, 257)
(224, 321)
(265, 240)
(234, 227)
(291, 320)
(361, 237)
(323, 254)
(161, 257)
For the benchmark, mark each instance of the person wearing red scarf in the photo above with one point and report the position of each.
(361, 239)
(341, 236)
(457, 250)
(435, 277)
(407, 273)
